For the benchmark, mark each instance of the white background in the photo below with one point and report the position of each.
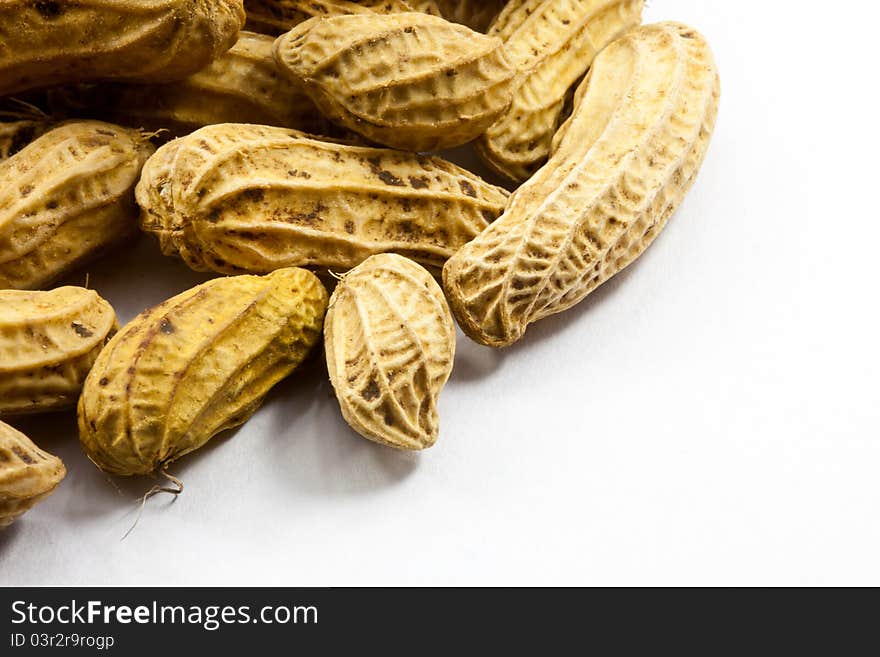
(708, 417)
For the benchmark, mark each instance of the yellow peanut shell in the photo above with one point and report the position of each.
(276, 17)
(197, 364)
(28, 475)
(244, 198)
(65, 198)
(410, 81)
(551, 44)
(632, 149)
(49, 43)
(390, 344)
(243, 85)
(48, 343)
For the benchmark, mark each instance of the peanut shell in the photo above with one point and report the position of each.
(48, 343)
(182, 372)
(66, 198)
(49, 43)
(410, 81)
(390, 344)
(28, 475)
(243, 198)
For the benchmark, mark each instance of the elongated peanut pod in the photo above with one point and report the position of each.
(197, 364)
(49, 43)
(242, 198)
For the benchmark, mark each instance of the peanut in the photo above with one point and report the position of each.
(197, 364)
(243, 198)
(276, 17)
(390, 343)
(28, 475)
(633, 146)
(48, 343)
(552, 44)
(409, 81)
(243, 85)
(65, 198)
(48, 43)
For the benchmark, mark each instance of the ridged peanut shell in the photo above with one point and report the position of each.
(48, 43)
(182, 372)
(390, 344)
(66, 198)
(28, 475)
(243, 85)
(552, 44)
(48, 343)
(276, 17)
(630, 153)
(410, 81)
(245, 198)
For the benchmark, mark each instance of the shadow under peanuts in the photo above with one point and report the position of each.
(10, 533)
(321, 454)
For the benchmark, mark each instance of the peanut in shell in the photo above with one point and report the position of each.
(199, 363)
(28, 474)
(244, 198)
(66, 198)
(390, 344)
(43, 44)
(409, 81)
(48, 343)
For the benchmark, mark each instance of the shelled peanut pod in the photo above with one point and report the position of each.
(630, 152)
(49, 43)
(551, 44)
(66, 198)
(476, 14)
(243, 198)
(15, 135)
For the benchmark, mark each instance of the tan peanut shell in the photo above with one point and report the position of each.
(631, 151)
(244, 198)
(15, 135)
(48, 343)
(28, 475)
(390, 343)
(552, 44)
(476, 14)
(66, 198)
(49, 43)
(243, 85)
(276, 17)
(197, 364)
(410, 81)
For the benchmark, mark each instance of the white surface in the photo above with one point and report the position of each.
(709, 417)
